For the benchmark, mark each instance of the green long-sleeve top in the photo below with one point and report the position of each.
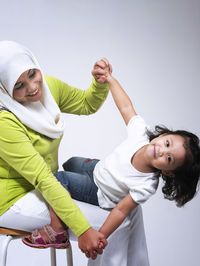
(29, 159)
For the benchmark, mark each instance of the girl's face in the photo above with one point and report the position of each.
(28, 87)
(166, 153)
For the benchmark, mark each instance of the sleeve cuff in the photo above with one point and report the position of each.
(100, 85)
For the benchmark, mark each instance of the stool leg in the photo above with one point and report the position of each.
(4, 250)
(53, 256)
(69, 256)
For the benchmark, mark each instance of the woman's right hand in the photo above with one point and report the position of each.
(92, 243)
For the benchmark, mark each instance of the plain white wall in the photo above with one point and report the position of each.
(153, 46)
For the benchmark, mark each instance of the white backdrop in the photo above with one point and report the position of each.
(153, 46)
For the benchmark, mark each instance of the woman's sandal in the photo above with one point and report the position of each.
(55, 240)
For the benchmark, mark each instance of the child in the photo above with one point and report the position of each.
(129, 175)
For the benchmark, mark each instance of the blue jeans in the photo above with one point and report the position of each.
(78, 179)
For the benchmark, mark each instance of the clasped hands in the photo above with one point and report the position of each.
(102, 70)
(92, 243)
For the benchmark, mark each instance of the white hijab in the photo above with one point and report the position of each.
(43, 116)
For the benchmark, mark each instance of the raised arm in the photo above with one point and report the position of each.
(120, 97)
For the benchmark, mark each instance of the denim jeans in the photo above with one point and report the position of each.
(78, 179)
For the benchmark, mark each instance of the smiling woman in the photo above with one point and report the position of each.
(32, 127)
(28, 87)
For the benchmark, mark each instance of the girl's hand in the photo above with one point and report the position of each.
(92, 243)
(102, 70)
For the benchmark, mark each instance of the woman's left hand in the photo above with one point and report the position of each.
(102, 70)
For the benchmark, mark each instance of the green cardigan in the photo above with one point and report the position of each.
(29, 159)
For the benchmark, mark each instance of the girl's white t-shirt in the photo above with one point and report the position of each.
(115, 176)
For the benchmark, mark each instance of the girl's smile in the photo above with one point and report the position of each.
(154, 152)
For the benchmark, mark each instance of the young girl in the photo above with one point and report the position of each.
(129, 175)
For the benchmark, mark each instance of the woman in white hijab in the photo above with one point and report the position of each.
(31, 130)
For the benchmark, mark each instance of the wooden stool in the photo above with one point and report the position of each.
(12, 234)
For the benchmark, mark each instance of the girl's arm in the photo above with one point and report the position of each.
(117, 215)
(102, 72)
(121, 99)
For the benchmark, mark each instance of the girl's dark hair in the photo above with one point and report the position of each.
(183, 186)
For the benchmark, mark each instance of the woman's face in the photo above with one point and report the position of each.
(28, 87)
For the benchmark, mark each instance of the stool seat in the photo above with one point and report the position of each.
(13, 232)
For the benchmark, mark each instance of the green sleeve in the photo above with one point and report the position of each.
(18, 151)
(76, 101)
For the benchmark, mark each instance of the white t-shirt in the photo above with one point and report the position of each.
(115, 176)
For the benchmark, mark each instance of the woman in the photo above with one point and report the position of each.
(31, 130)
